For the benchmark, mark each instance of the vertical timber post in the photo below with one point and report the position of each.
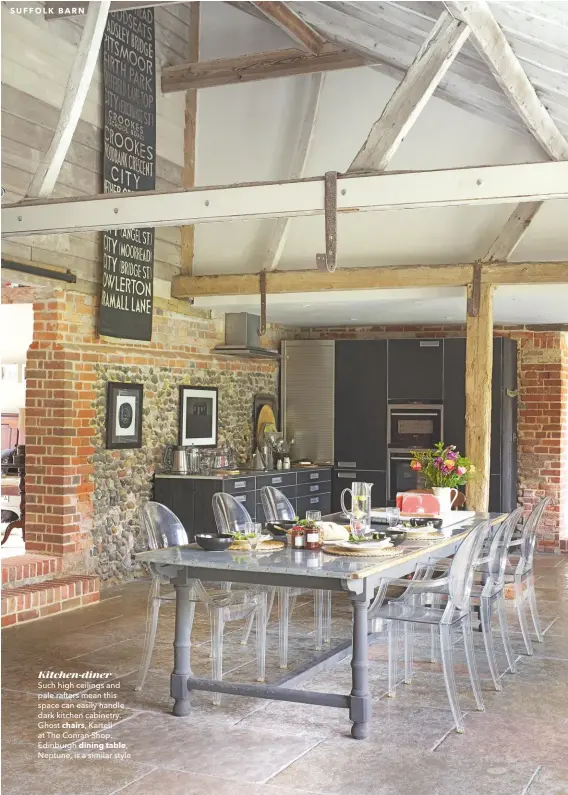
(189, 141)
(478, 377)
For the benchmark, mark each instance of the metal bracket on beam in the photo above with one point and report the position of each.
(327, 261)
(262, 285)
(474, 294)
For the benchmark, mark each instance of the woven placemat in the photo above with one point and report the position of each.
(425, 536)
(264, 546)
(380, 552)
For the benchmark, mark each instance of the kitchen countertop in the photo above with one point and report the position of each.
(243, 473)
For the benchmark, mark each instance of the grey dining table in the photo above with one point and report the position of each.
(358, 577)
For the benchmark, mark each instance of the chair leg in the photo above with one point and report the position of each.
(393, 652)
(327, 616)
(533, 608)
(319, 618)
(520, 605)
(150, 634)
(408, 652)
(250, 620)
(284, 619)
(471, 664)
(261, 622)
(504, 625)
(446, 651)
(486, 615)
(217, 625)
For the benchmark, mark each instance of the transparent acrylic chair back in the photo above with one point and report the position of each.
(498, 551)
(276, 505)
(162, 526)
(230, 515)
(462, 570)
(528, 538)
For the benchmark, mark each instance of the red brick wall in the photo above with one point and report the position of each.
(82, 500)
(542, 412)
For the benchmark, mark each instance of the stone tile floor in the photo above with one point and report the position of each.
(251, 747)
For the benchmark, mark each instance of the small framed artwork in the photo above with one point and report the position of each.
(198, 416)
(124, 416)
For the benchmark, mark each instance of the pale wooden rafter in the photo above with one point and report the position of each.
(297, 170)
(432, 61)
(288, 21)
(491, 43)
(84, 65)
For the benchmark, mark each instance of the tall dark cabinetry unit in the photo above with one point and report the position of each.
(503, 469)
(360, 437)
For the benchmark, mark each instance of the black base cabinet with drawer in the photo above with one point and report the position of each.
(190, 498)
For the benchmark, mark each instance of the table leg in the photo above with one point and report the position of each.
(182, 663)
(360, 697)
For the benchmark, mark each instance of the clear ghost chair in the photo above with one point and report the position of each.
(491, 568)
(519, 571)
(277, 507)
(164, 529)
(409, 610)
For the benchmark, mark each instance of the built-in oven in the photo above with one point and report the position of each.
(400, 477)
(413, 426)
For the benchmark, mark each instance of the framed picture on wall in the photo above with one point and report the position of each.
(198, 416)
(124, 416)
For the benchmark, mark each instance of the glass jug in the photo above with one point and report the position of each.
(360, 513)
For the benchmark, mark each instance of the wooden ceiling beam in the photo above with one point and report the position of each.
(409, 98)
(288, 21)
(86, 60)
(189, 140)
(248, 201)
(259, 66)
(492, 45)
(490, 42)
(373, 278)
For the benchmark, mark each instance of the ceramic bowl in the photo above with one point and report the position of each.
(214, 542)
(279, 529)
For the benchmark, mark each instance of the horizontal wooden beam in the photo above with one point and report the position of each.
(260, 66)
(292, 24)
(374, 278)
(356, 193)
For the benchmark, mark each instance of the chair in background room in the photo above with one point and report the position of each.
(164, 529)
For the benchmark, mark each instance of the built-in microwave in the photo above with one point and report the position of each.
(413, 426)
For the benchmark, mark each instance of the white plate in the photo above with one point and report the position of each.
(386, 542)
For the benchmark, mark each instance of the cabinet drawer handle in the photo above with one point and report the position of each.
(347, 464)
(241, 498)
(240, 484)
(346, 475)
(314, 476)
(314, 500)
(277, 480)
(314, 488)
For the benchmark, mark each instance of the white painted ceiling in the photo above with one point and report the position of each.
(249, 132)
(516, 304)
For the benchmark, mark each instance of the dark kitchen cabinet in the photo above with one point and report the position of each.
(503, 462)
(415, 370)
(360, 437)
(190, 498)
(343, 478)
(454, 392)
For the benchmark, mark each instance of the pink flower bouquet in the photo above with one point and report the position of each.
(444, 466)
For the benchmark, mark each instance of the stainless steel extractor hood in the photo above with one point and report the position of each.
(242, 338)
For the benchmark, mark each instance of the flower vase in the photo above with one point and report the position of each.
(446, 497)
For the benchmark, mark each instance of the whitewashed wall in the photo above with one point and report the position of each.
(37, 55)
